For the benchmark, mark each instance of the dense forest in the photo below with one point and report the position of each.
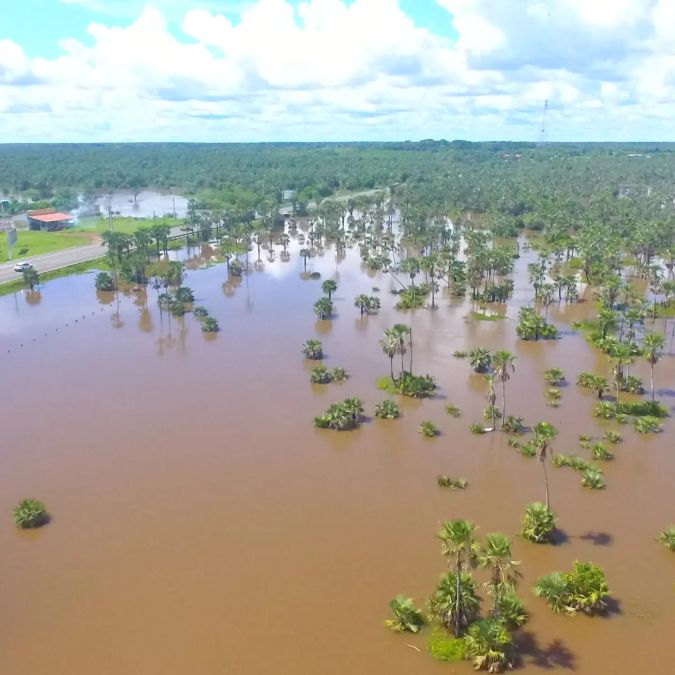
(509, 178)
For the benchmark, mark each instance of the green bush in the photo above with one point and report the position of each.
(453, 410)
(104, 282)
(647, 425)
(513, 425)
(210, 325)
(593, 479)
(407, 618)
(453, 483)
(445, 647)
(582, 590)
(29, 513)
(642, 409)
(428, 429)
(387, 410)
(200, 312)
(601, 452)
(667, 538)
(538, 523)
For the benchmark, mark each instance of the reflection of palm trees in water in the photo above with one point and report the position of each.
(116, 317)
(145, 322)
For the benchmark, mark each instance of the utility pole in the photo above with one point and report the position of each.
(542, 130)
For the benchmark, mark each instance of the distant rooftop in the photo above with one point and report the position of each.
(52, 217)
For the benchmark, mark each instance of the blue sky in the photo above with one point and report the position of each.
(230, 70)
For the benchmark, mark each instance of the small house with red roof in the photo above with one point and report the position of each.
(49, 219)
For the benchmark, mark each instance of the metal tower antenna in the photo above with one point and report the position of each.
(542, 131)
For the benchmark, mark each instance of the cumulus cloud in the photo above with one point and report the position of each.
(339, 69)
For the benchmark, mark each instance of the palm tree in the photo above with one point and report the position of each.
(619, 355)
(653, 345)
(444, 603)
(30, 278)
(457, 544)
(312, 349)
(305, 253)
(538, 523)
(496, 556)
(406, 616)
(503, 361)
(329, 287)
(487, 644)
(480, 359)
(401, 333)
(390, 347)
(362, 303)
(492, 397)
(323, 308)
(543, 434)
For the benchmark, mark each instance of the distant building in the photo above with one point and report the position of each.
(48, 219)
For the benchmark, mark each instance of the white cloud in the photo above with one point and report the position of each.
(332, 69)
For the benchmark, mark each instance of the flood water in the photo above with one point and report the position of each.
(201, 524)
(146, 204)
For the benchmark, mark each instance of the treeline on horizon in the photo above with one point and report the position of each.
(518, 182)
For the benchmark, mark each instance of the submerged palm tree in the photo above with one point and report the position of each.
(406, 616)
(544, 433)
(503, 361)
(653, 346)
(496, 556)
(458, 546)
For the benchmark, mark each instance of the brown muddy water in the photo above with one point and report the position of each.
(202, 525)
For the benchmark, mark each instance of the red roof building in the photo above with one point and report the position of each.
(48, 219)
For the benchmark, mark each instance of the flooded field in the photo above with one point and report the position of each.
(145, 204)
(201, 524)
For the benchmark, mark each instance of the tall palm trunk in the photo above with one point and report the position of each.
(503, 401)
(651, 378)
(543, 466)
(458, 592)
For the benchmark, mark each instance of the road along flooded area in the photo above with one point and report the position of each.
(200, 523)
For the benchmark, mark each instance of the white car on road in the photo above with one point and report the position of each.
(22, 266)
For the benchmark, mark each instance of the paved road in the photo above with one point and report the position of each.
(47, 262)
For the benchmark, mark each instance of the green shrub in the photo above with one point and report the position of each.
(488, 645)
(613, 437)
(554, 376)
(313, 350)
(428, 429)
(200, 312)
(29, 513)
(647, 425)
(453, 410)
(528, 449)
(407, 618)
(667, 538)
(104, 282)
(601, 452)
(387, 410)
(582, 590)
(593, 479)
(445, 647)
(514, 442)
(453, 483)
(320, 375)
(604, 410)
(460, 354)
(538, 523)
(513, 425)
(643, 409)
(477, 429)
(210, 325)
(339, 374)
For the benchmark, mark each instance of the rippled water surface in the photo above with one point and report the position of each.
(202, 525)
